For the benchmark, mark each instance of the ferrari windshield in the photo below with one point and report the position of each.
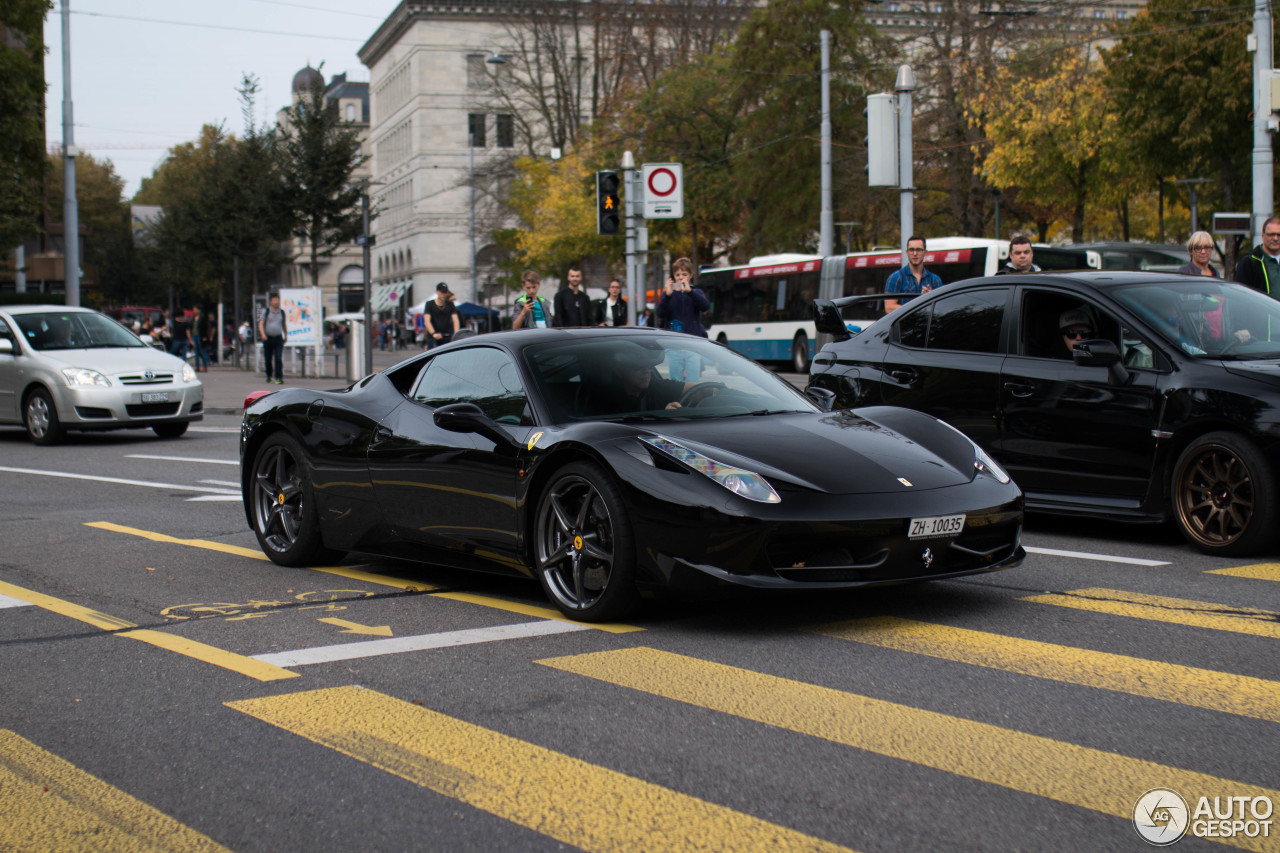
(1208, 318)
(56, 330)
(613, 376)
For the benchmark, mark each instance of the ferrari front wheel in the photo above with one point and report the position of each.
(583, 545)
(282, 506)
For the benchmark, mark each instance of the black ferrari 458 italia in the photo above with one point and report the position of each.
(574, 456)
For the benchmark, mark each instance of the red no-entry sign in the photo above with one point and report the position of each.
(663, 190)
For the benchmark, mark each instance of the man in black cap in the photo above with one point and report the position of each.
(441, 318)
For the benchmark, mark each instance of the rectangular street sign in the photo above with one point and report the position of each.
(663, 189)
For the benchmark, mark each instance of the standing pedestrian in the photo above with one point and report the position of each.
(612, 310)
(913, 278)
(572, 306)
(680, 310)
(1020, 256)
(274, 332)
(531, 311)
(441, 318)
(198, 338)
(1200, 250)
(1258, 268)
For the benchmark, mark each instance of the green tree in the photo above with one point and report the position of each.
(104, 216)
(319, 156)
(22, 87)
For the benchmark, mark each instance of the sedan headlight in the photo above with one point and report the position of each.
(741, 482)
(188, 374)
(85, 376)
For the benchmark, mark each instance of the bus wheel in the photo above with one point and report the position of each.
(722, 339)
(800, 353)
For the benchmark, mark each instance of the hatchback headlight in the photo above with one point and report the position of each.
(188, 375)
(85, 376)
(746, 484)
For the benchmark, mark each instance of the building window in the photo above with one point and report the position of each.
(506, 131)
(351, 112)
(475, 129)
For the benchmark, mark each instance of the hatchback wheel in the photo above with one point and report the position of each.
(41, 418)
(1224, 495)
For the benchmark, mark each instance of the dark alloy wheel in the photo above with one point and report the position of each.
(800, 353)
(41, 418)
(282, 507)
(1224, 495)
(583, 545)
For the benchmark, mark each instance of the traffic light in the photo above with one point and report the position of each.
(882, 141)
(608, 204)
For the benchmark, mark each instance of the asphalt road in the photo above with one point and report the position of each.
(165, 687)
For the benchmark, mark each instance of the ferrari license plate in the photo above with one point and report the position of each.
(938, 525)
(156, 397)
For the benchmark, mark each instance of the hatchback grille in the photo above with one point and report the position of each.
(142, 379)
(150, 410)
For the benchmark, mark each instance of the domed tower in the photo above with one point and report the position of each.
(305, 80)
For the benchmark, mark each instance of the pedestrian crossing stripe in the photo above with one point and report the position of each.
(1200, 688)
(1260, 572)
(1158, 608)
(564, 798)
(1082, 776)
(50, 804)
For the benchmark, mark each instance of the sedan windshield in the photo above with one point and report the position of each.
(617, 376)
(1208, 318)
(56, 330)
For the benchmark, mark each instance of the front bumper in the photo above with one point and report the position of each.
(120, 407)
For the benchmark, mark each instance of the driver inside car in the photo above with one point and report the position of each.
(634, 386)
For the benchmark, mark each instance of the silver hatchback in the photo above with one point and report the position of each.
(64, 368)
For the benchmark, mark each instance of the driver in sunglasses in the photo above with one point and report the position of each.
(1075, 326)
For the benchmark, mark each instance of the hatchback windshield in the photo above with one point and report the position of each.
(655, 376)
(1208, 318)
(56, 330)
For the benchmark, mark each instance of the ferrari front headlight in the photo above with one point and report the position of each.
(984, 464)
(85, 376)
(746, 484)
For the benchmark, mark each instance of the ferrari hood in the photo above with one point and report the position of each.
(839, 453)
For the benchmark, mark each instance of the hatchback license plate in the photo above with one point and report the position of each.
(938, 525)
(156, 397)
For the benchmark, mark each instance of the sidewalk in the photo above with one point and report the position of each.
(226, 386)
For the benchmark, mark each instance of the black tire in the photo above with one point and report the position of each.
(40, 417)
(282, 505)
(800, 353)
(722, 339)
(584, 549)
(1224, 496)
(170, 430)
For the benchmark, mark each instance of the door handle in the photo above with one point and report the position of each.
(380, 434)
(1020, 389)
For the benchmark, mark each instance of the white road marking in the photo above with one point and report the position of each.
(6, 601)
(420, 642)
(216, 498)
(182, 487)
(215, 429)
(1106, 558)
(230, 484)
(182, 459)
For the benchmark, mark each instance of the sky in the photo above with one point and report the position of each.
(148, 74)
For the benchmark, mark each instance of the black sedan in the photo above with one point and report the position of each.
(1116, 395)
(574, 456)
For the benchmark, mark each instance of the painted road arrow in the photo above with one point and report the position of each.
(357, 628)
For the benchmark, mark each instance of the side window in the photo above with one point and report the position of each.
(481, 375)
(1046, 313)
(968, 321)
(913, 329)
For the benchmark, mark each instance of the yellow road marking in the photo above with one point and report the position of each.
(1064, 772)
(50, 804)
(65, 608)
(1186, 685)
(207, 544)
(533, 610)
(565, 798)
(211, 654)
(192, 649)
(1260, 572)
(357, 628)
(1179, 611)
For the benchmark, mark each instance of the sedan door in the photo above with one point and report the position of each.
(1074, 429)
(453, 493)
(10, 381)
(944, 358)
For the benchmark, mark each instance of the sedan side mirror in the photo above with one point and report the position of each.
(1101, 353)
(823, 398)
(6, 346)
(827, 319)
(468, 417)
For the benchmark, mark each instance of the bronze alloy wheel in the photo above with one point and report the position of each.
(1223, 495)
(583, 545)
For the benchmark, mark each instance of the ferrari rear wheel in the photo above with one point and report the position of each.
(1224, 496)
(583, 545)
(282, 505)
